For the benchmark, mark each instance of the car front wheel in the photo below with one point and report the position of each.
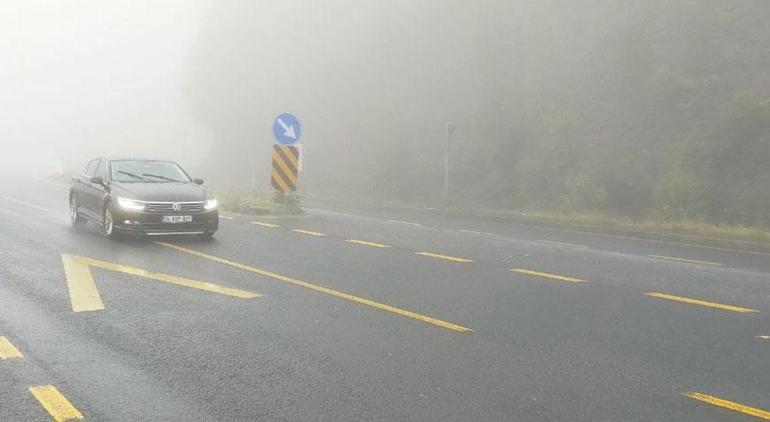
(108, 223)
(75, 218)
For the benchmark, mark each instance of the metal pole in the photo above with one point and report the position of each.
(448, 133)
(186, 153)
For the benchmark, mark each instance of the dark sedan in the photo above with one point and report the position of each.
(148, 197)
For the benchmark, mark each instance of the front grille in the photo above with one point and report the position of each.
(168, 207)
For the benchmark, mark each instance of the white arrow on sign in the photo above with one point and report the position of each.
(287, 130)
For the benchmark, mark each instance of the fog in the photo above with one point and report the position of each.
(641, 109)
(85, 78)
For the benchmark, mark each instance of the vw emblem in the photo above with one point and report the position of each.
(176, 206)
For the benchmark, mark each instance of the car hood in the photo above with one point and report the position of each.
(160, 192)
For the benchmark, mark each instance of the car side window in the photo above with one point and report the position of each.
(102, 170)
(90, 169)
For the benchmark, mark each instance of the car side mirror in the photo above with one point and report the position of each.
(198, 181)
(98, 180)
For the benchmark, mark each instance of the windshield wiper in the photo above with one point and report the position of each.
(161, 177)
(135, 176)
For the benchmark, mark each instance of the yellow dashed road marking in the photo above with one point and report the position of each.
(321, 289)
(260, 223)
(227, 217)
(689, 261)
(547, 275)
(8, 350)
(308, 232)
(726, 404)
(365, 243)
(701, 302)
(445, 257)
(60, 409)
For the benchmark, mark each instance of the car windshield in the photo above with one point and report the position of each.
(141, 171)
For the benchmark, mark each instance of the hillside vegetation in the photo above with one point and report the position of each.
(651, 110)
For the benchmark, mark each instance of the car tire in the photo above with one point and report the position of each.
(76, 219)
(207, 235)
(108, 223)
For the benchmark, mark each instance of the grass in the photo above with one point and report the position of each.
(695, 229)
(255, 202)
(749, 237)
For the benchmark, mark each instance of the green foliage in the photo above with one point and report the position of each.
(632, 111)
(678, 192)
(583, 192)
(738, 163)
(661, 130)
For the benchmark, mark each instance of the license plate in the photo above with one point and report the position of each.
(177, 218)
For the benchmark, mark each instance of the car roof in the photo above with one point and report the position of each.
(137, 159)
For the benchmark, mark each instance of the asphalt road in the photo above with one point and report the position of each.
(353, 315)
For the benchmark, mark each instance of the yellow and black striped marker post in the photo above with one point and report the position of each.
(285, 174)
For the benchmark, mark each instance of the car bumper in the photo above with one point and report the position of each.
(152, 223)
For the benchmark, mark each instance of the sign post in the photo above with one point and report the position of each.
(284, 176)
(450, 130)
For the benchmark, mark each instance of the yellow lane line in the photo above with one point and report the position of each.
(365, 243)
(445, 257)
(321, 289)
(689, 261)
(60, 409)
(227, 217)
(263, 224)
(84, 296)
(308, 232)
(180, 281)
(701, 302)
(547, 275)
(726, 404)
(553, 242)
(763, 337)
(8, 350)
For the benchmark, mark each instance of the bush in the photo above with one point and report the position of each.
(583, 192)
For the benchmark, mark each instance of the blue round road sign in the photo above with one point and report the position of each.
(286, 129)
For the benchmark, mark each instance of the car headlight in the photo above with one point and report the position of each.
(130, 204)
(211, 204)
